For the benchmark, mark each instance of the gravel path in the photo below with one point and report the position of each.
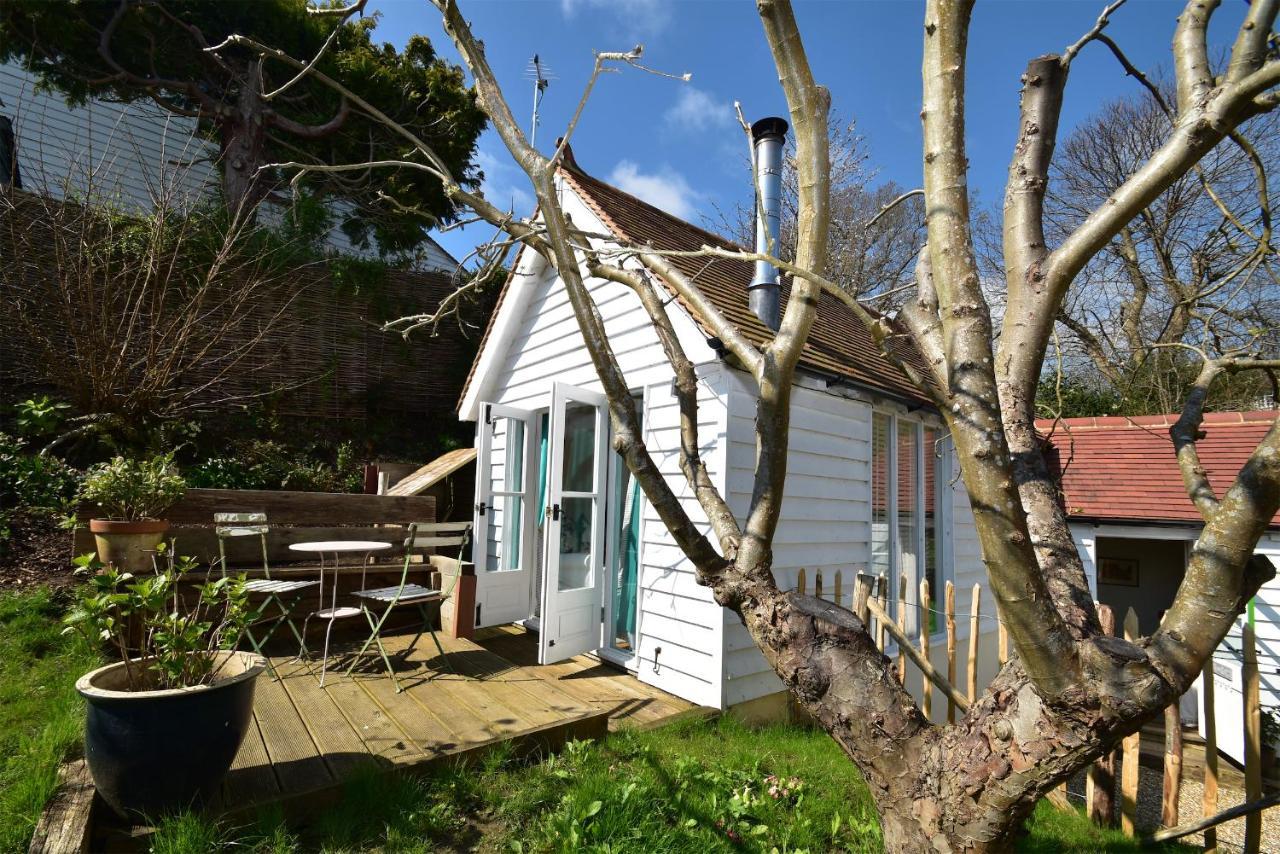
(1150, 790)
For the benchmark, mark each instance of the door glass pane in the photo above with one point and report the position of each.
(505, 515)
(909, 513)
(579, 473)
(577, 547)
(880, 547)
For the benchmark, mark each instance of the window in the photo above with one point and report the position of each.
(910, 483)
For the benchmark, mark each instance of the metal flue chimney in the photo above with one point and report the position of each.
(767, 136)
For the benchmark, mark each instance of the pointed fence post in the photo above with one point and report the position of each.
(1252, 742)
(1171, 790)
(1004, 638)
(902, 628)
(817, 584)
(1209, 805)
(950, 609)
(861, 596)
(1130, 749)
(974, 610)
(837, 592)
(1100, 785)
(923, 618)
(882, 598)
(800, 581)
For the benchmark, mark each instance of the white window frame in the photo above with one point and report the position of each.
(942, 473)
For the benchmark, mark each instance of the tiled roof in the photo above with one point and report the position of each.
(838, 343)
(1124, 469)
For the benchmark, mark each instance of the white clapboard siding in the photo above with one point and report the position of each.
(826, 511)
(536, 342)
(130, 155)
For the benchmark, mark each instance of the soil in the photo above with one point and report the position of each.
(37, 553)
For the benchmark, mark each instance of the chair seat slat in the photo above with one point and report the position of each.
(410, 593)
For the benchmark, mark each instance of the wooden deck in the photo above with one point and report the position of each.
(306, 739)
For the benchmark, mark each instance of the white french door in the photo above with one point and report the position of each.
(502, 550)
(572, 592)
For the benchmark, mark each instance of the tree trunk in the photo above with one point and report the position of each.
(243, 147)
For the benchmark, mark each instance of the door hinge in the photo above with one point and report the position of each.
(481, 507)
(602, 613)
(550, 643)
(555, 512)
(488, 414)
(478, 623)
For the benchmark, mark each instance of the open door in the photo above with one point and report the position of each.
(572, 592)
(503, 551)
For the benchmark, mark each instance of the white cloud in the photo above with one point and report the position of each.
(637, 17)
(504, 184)
(666, 189)
(697, 111)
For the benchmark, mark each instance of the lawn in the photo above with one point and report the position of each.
(40, 713)
(696, 786)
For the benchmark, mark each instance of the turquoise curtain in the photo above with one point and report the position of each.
(625, 590)
(542, 469)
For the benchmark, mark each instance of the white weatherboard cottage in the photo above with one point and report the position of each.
(565, 541)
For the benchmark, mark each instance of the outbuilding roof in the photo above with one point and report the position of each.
(1123, 469)
(839, 345)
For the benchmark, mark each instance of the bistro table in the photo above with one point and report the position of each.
(335, 612)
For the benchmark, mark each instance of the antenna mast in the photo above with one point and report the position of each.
(541, 77)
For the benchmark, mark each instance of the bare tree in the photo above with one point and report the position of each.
(140, 318)
(874, 242)
(1194, 267)
(1070, 693)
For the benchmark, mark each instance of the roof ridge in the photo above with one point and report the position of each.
(1223, 418)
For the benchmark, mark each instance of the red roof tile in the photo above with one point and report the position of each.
(1124, 469)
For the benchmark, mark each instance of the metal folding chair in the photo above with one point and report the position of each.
(422, 535)
(284, 595)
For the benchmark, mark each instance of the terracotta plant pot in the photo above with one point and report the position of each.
(128, 545)
(153, 752)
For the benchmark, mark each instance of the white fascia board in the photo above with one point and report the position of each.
(529, 270)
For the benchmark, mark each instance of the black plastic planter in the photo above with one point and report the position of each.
(153, 752)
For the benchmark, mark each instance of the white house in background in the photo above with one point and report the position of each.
(567, 544)
(1135, 526)
(132, 154)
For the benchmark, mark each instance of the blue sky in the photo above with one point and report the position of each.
(678, 145)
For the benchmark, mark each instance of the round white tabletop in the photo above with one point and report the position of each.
(336, 546)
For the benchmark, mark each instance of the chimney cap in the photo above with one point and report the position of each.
(773, 126)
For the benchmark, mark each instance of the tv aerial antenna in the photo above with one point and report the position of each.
(541, 76)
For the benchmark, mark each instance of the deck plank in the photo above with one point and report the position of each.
(252, 778)
(340, 746)
(294, 755)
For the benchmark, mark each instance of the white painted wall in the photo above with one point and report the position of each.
(826, 523)
(132, 155)
(534, 343)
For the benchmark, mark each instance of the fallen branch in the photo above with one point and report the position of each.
(1214, 820)
(904, 644)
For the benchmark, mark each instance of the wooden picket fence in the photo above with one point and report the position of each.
(868, 599)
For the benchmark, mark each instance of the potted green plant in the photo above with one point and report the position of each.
(163, 726)
(130, 496)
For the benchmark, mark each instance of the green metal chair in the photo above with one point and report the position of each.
(283, 595)
(422, 535)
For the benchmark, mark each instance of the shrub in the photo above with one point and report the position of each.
(32, 480)
(130, 490)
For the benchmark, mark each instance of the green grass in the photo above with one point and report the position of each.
(699, 787)
(41, 716)
(696, 786)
